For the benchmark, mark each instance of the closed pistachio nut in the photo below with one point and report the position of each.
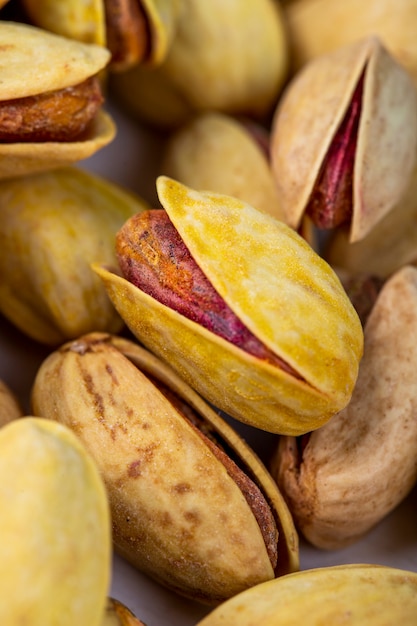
(55, 528)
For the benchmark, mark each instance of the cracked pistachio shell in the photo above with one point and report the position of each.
(55, 526)
(210, 65)
(287, 296)
(177, 513)
(52, 226)
(345, 594)
(117, 614)
(215, 151)
(311, 111)
(85, 21)
(358, 467)
(10, 408)
(24, 73)
(390, 245)
(346, 22)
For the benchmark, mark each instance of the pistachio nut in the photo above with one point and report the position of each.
(55, 528)
(390, 245)
(210, 64)
(53, 224)
(235, 302)
(345, 594)
(134, 31)
(345, 22)
(10, 408)
(192, 506)
(341, 480)
(344, 138)
(51, 110)
(117, 614)
(219, 152)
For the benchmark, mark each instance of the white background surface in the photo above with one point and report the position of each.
(132, 161)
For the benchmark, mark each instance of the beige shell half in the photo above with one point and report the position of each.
(280, 288)
(345, 594)
(215, 151)
(177, 514)
(362, 464)
(310, 112)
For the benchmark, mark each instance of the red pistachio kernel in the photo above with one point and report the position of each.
(331, 202)
(155, 259)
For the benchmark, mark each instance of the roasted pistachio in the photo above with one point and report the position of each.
(345, 594)
(280, 368)
(211, 65)
(183, 511)
(53, 224)
(341, 480)
(50, 100)
(135, 31)
(344, 138)
(55, 527)
(10, 408)
(219, 152)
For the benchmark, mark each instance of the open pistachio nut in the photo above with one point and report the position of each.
(346, 594)
(240, 306)
(211, 64)
(134, 31)
(341, 480)
(344, 138)
(192, 506)
(55, 563)
(53, 225)
(51, 100)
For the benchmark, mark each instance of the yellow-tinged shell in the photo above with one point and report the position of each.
(312, 109)
(85, 21)
(390, 245)
(210, 64)
(10, 408)
(55, 528)
(281, 290)
(345, 594)
(117, 614)
(345, 22)
(215, 151)
(26, 70)
(357, 468)
(52, 226)
(177, 514)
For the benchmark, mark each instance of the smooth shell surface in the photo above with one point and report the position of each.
(55, 528)
(310, 112)
(177, 514)
(351, 594)
(52, 226)
(280, 288)
(359, 466)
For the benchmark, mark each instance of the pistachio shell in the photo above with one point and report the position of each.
(346, 594)
(177, 513)
(312, 110)
(357, 468)
(10, 408)
(217, 152)
(47, 288)
(346, 22)
(210, 66)
(55, 528)
(117, 614)
(281, 290)
(390, 245)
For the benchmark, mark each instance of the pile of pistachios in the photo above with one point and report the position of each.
(268, 283)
